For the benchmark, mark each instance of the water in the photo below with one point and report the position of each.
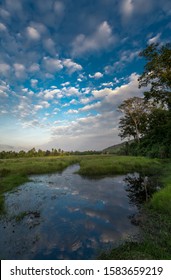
(66, 216)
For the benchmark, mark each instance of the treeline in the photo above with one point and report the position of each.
(148, 119)
(40, 153)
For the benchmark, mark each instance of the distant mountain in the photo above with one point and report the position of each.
(115, 149)
(7, 148)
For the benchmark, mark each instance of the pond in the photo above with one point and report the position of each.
(66, 216)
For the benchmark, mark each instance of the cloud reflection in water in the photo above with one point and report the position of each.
(77, 217)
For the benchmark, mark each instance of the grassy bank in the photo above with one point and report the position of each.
(14, 172)
(156, 221)
(115, 165)
(155, 227)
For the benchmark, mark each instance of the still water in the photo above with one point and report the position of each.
(66, 216)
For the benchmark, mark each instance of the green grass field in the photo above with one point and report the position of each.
(156, 222)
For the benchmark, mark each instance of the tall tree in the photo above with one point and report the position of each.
(157, 74)
(135, 119)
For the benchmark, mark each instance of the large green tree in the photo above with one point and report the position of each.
(157, 74)
(149, 118)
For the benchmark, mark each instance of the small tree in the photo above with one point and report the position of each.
(134, 122)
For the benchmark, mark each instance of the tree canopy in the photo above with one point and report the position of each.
(157, 73)
(148, 119)
(134, 121)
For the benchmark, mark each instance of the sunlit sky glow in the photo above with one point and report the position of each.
(65, 66)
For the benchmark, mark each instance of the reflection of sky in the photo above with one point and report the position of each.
(77, 216)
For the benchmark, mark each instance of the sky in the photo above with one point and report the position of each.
(66, 66)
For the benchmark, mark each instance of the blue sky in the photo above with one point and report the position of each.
(65, 66)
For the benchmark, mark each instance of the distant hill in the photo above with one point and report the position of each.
(7, 148)
(115, 149)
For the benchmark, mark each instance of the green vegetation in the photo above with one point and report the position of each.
(118, 149)
(21, 216)
(161, 201)
(14, 172)
(148, 119)
(114, 165)
(40, 153)
(155, 227)
(155, 222)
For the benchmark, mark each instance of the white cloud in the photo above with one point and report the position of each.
(101, 39)
(65, 105)
(116, 80)
(49, 45)
(59, 8)
(53, 64)
(131, 8)
(71, 91)
(71, 65)
(24, 109)
(30, 92)
(85, 100)
(109, 84)
(25, 90)
(101, 130)
(154, 39)
(14, 6)
(111, 98)
(93, 132)
(2, 27)
(33, 123)
(126, 56)
(4, 86)
(4, 13)
(33, 33)
(51, 93)
(127, 7)
(19, 70)
(97, 75)
(4, 68)
(3, 94)
(3, 111)
(34, 67)
(91, 106)
(65, 84)
(39, 27)
(101, 93)
(86, 90)
(73, 102)
(33, 82)
(45, 104)
(41, 105)
(72, 111)
(38, 107)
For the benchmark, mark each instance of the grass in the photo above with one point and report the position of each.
(161, 201)
(21, 216)
(156, 222)
(115, 165)
(156, 242)
(14, 172)
(155, 227)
